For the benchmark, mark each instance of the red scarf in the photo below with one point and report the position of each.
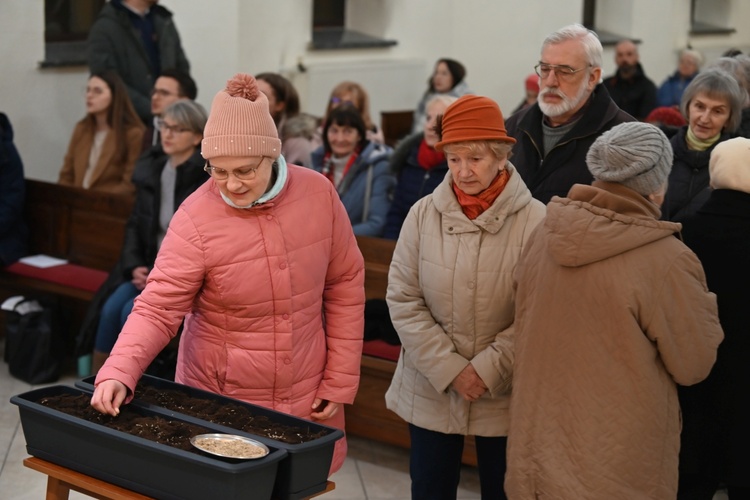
(474, 205)
(328, 166)
(428, 157)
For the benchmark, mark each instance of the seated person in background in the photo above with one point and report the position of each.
(531, 86)
(296, 130)
(629, 87)
(13, 231)
(107, 142)
(418, 167)
(712, 104)
(667, 118)
(359, 169)
(739, 67)
(447, 78)
(163, 179)
(670, 91)
(171, 86)
(355, 95)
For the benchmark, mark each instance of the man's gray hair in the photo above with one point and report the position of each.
(588, 38)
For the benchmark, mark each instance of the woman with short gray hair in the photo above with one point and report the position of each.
(712, 105)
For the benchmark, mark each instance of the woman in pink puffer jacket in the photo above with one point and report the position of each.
(262, 265)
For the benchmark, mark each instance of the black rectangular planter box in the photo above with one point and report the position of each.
(304, 470)
(136, 463)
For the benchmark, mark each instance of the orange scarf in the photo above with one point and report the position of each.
(474, 205)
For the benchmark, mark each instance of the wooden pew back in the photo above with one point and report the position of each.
(83, 226)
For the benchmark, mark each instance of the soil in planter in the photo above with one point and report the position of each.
(227, 414)
(152, 427)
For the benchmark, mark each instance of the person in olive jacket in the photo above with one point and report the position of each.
(164, 176)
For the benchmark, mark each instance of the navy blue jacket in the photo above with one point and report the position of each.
(370, 168)
(413, 182)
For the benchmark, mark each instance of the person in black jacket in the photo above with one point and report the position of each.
(164, 177)
(630, 88)
(137, 39)
(572, 110)
(715, 433)
(712, 104)
(13, 231)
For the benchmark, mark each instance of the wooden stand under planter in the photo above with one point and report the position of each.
(61, 480)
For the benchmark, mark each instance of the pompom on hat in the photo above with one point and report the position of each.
(240, 123)
(635, 154)
(472, 118)
(729, 166)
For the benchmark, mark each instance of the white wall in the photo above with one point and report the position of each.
(497, 40)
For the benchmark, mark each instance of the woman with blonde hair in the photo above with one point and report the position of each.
(106, 143)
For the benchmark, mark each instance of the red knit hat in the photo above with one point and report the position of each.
(472, 118)
(532, 82)
(666, 115)
(240, 123)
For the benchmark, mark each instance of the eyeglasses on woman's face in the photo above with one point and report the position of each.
(562, 71)
(246, 173)
(165, 127)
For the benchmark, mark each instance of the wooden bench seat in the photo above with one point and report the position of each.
(84, 227)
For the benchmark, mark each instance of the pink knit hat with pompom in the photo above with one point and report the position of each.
(239, 123)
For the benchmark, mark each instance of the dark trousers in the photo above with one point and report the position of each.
(435, 465)
(703, 487)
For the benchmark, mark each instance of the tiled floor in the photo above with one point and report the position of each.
(372, 471)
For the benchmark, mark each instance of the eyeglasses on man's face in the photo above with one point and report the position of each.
(164, 127)
(246, 173)
(562, 71)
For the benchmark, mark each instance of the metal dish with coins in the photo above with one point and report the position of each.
(230, 446)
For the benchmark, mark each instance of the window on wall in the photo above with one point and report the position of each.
(710, 17)
(329, 30)
(66, 27)
(590, 21)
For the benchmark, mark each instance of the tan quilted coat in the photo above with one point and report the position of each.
(612, 312)
(450, 294)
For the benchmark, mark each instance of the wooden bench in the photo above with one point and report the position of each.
(368, 417)
(84, 227)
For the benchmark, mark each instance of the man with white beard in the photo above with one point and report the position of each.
(572, 110)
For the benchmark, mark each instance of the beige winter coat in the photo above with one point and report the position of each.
(612, 310)
(451, 299)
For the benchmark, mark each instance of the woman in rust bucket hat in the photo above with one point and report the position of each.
(450, 296)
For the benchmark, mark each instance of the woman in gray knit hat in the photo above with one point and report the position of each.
(611, 312)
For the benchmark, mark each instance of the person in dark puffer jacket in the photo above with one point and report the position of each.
(419, 168)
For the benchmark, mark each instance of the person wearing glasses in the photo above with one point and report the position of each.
(107, 142)
(171, 86)
(571, 111)
(263, 267)
(164, 177)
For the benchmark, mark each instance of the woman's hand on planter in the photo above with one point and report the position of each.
(108, 396)
(326, 409)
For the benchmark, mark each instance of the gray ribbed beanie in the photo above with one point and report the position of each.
(634, 154)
